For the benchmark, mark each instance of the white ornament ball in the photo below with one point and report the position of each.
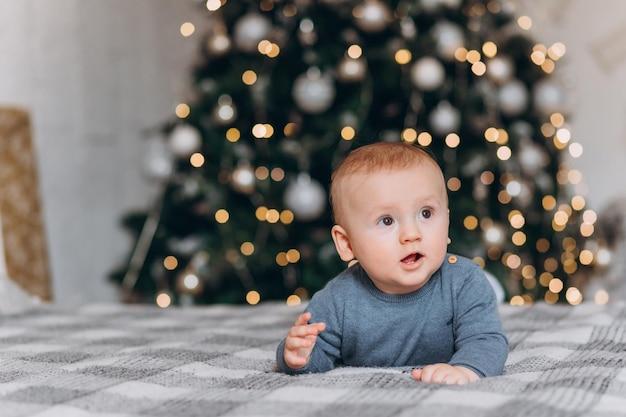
(513, 98)
(500, 69)
(351, 70)
(313, 93)
(444, 119)
(249, 30)
(449, 37)
(549, 97)
(305, 197)
(532, 158)
(243, 179)
(428, 73)
(158, 162)
(225, 111)
(218, 44)
(372, 16)
(184, 140)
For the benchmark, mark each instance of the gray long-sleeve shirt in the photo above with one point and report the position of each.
(452, 319)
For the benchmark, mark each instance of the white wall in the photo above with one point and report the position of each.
(94, 74)
(594, 69)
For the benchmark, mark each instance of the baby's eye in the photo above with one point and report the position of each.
(386, 221)
(426, 213)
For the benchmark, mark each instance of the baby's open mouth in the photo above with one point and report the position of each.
(412, 258)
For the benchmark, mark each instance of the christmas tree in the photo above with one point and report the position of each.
(286, 88)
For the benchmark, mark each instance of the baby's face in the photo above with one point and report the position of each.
(397, 225)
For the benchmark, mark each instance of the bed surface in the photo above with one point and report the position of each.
(119, 360)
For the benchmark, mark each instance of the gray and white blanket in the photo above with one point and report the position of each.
(116, 361)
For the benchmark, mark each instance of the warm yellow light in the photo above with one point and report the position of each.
(516, 218)
(470, 222)
(259, 130)
(249, 77)
(277, 174)
(504, 153)
(454, 184)
(491, 134)
(479, 68)
(557, 119)
(281, 259)
(575, 149)
(221, 216)
(517, 300)
(424, 139)
(557, 50)
(348, 133)
(487, 177)
(453, 140)
(586, 257)
(247, 248)
(170, 263)
(590, 216)
(586, 230)
(578, 202)
(518, 238)
(163, 300)
(196, 160)
(293, 300)
(355, 51)
(409, 135)
(548, 66)
(551, 298)
(293, 256)
(213, 5)
(548, 202)
(556, 285)
(403, 56)
(543, 245)
(490, 49)
(601, 297)
(473, 56)
(287, 217)
(538, 57)
(182, 110)
(233, 134)
(262, 173)
(272, 216)
(290, 129)
(460, 54)
(573, 296)
(253, 297)
(187, 29)
(261, 213)
(525, 22)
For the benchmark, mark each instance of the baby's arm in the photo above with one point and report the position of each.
(443, 373)
(300, 341)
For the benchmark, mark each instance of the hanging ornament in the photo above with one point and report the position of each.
(313, 92)
(225, 111)
(243, 179)
(448, 37)
(158, 160)
(305, 197)
(351, 70)
(428, 73)
(431, 6)
(548, 97)
(372, 16)
(218, 42)
(500, 69)
(184, 140)
(513, 98)
(531, 157)
(444, 119)
(306, 32)
(249, 30)
(408, 28)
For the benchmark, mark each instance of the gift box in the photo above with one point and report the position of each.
(22, 232)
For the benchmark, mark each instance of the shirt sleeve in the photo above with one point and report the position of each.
(480, 342)
(327, 350)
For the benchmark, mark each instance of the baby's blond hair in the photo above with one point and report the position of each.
(376, 157)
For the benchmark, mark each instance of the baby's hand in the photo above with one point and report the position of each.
(443, 373)
(300, 341)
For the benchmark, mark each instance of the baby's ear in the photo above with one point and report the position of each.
(342, 243)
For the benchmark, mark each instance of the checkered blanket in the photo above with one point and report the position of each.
(116, 360)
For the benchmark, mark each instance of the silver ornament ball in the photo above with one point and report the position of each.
(305, 197)
(249, 30)
(428, 73)
(184, 140)
(313, 92)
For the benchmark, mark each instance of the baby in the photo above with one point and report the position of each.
(405, 302)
